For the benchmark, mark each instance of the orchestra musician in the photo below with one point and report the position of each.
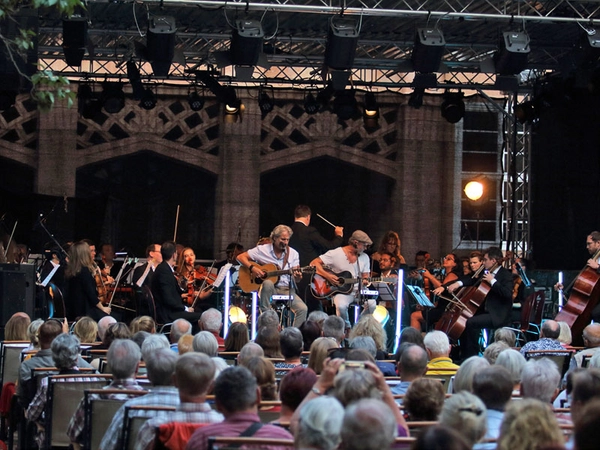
(389, 243)
(142, 275)
(83, 298)
(188, 273)
(279, 253)
(498, 301)
(351, 258)
(109, 267)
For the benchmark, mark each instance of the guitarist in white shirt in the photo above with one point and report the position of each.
(349, 258)
(277, 252)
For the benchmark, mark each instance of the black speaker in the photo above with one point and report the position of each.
(17, 290)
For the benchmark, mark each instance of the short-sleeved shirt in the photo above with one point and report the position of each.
(337, 261)
(264, 254)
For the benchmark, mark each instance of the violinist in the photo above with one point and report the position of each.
(107, 264)
(142, 275)
(191, 277)
(82, 296)
(498, 301)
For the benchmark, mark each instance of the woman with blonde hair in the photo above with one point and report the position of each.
(466, 412)
(529, 424)
(318, 353)
(264, 372)
(368, 325)
(86, 329)
(16, 327)
(143, 323)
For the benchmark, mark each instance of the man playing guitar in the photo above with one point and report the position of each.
(349, 258)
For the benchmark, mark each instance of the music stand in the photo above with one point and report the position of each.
(385, 293)
(419, 296)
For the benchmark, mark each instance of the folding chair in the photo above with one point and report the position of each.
(222, 443)
(561, 358)
(134, 418)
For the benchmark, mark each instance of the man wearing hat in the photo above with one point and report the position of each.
(345, 267)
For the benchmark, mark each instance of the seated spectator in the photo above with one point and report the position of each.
(424, 400)
(493, 386)
(185, 344)
(318, 317)
(249, 351)
(320, 424)
(440, 437)
(529, 424)
(438, 349)
(586, 387)
(268, 339)
(292, 390)
(268, 318)
(411, 335)
(179, 328)
(264, 372)
(116, 330)
(16, 327)
(367, 344)
(152, 343)
(86, 330)
(237, 397)
(411, 366)
(310, 331)
(335, 327)
(206, 342)
(467, 413)
(211, 320)
(492, 351)
(463, 381)
(540, 379)
(514, 362)
(160, 365)
(291, 344)
(565, 337)
(32, 334)
(318, 352)
(65, 355)
(237, 337)
(368, 325)
(507, 336)
(548, 339)
(142, 323)
(103, 325)
(194, 374)
(368, 425)
(591, 341)
(140, 337)
(586, 429)
(123, 358)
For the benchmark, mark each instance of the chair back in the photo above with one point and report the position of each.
(175, 435)
(134, 418)
(222, 443)
(10, 359)
(269, 411)
(561, 358)
(537, 309)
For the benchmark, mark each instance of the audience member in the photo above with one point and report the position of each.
(16, 327)
(548, 339)
(565, 337)
(114, 331)
(463, 381)
(248, 351)
(194, 374)
(268, 318)
(237, 337)
(237, 398)
(368, 325)
(467, 413)
(494, 387)
(411, 335)
(206, 342)
(335, 327)
(529, 424)
(211, 320)
(424, 399)
(179, 328)
(103, 325)
(586, 428)
(318, 317)
(411, 366)
(153, 343)
(320, 424)
(86, 330)
(440, 437)
(507, 336)
(586, 387)
(268, 339)
(368, 344)
(185, 344)
(514, 362)
(368, 425)
(492, 351)
(318, 352)
(160, 365)
(264, 372)
(291, 344)
(140, 337)
(292, 390)
(438, 349)
(32, 334)
(540, 379)
(591, 341)
(142, 323)
(310, 331)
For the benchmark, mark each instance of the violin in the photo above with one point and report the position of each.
(100, 286)
(196, 280)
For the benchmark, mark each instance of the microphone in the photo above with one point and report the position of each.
(523, 275)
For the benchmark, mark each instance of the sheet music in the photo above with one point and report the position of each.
(222, 273)
(51, 274)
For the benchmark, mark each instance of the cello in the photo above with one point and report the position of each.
(584, 296)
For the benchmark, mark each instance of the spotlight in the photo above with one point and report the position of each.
(224, 94)
(526, 112)
(311, 105)
(195, 101)
(342, 39)
(88, 104)
(416, 98)
(246, 42)
(371, 106)
(113, 97)
(344, 104)
(74, 39)
(428, 50)
(511, 58)
(232, 102)
(237, 314)
(148, 99)
(133, 73)
(160, 44)
(265, 103)
(453, 107)
(474, 190)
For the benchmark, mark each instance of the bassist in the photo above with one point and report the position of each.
(276, 252)
(351, 258)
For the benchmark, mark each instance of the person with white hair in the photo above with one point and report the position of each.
(514, 362)
(153, 343)
(211, 320)
(249, 351)
(320, 424)
(368, 425)
(540, 379)
(465, 412)
(103, 325)
(205, 342)
(438, 349)
(279, 253)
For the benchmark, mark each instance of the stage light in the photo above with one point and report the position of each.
(224, 94)
(416, 98)
(511, 58)
(133, 74)
(474, 190)
(195, 101)
(74, 39)
(453, 107)
(311, 105)
(525, 112)
(246, 42)
(428, 50)
(344, 104)
(371, 107)
(265, 103)
(342, 39)
(237, 314)
(88, 103)
(148, 101)
(113, 97)
(381, 314)
(160, 44)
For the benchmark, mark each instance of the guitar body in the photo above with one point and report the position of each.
(321, 288)
(249, 283)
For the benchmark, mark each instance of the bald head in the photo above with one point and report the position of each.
(551, 329)
(412, 363)
(591, 335)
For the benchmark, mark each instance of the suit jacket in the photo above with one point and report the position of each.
(166, 292)
(309, 243)
(139, 271)
(498, 302)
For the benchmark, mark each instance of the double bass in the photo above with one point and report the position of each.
(584, 296)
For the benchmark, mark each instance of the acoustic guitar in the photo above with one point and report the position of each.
(250, 283)
(322, 288)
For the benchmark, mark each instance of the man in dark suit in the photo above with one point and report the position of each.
(309, 243)
(166, 292)
(498, 302)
